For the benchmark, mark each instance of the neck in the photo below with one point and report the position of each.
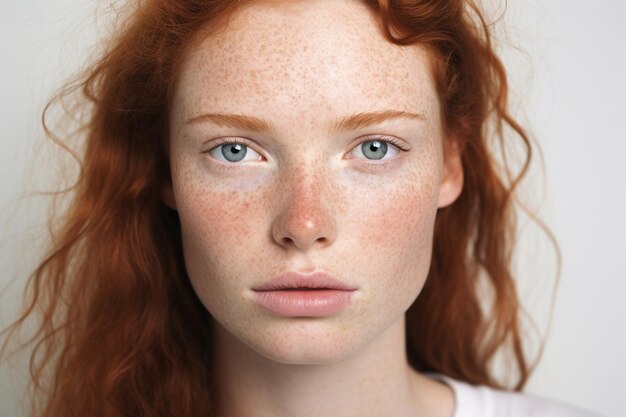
(375, 381)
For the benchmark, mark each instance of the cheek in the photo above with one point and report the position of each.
(401, 217)
(219, 232)
(398, 221)
(393, 238)
(215, 220)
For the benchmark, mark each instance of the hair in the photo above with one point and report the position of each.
(121, 331)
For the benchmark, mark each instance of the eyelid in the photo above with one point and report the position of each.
(228, 140)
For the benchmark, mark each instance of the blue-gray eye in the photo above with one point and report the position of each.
(234, 152)
(374, 149)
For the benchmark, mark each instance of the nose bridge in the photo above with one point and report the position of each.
(305, 216)
(305, 182)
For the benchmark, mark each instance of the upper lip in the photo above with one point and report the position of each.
(293, 279)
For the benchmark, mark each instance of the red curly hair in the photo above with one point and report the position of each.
(122, 332)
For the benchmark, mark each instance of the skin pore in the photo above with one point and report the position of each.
(308, 197)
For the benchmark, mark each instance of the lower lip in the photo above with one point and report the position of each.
(304, 303)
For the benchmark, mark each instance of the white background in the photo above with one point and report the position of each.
(569, 86)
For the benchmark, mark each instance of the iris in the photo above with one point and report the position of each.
(376, 150)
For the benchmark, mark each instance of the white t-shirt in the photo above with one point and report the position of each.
(483, 401)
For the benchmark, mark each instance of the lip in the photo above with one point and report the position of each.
(304, 295)
(293, 280)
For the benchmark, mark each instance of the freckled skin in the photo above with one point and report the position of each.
(312, 202)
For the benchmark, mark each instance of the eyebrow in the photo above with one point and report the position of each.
(343, 124)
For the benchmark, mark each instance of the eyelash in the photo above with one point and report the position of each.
(388, 139)
(376, 165)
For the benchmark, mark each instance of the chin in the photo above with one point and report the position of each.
(303, 341)
(307, 354)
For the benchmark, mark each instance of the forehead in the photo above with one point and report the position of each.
(302, 56)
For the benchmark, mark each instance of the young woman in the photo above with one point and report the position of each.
(288, 208)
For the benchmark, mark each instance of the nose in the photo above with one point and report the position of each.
(304, 219)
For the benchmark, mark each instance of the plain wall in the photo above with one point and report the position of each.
(569, 87)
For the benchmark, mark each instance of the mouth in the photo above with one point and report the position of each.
(295, 294)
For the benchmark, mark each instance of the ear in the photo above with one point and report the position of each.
(166, 193)
(451, 183)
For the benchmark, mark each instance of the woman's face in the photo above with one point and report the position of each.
(316, 189)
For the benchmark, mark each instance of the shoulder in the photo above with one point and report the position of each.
(475, 401)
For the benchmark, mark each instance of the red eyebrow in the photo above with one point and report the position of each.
(346, 123)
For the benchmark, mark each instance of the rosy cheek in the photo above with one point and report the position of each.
(398, 210)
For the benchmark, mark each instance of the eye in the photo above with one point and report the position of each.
(233, 151)
(377, 148)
